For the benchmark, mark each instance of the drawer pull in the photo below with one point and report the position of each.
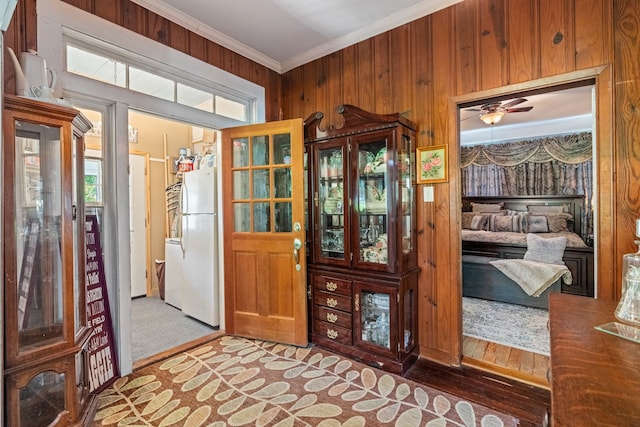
(332, 302)
(332, 334)
(331, 286)
(357, 302)
(331, 317)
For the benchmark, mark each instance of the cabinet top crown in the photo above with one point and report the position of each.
(355, 120)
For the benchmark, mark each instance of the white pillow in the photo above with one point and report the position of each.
(546, 250)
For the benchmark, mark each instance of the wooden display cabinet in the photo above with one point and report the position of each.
(362, 266)
(45, 321)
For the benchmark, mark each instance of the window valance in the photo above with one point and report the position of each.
(572, 149)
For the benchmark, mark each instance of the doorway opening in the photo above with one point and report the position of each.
(527, 173)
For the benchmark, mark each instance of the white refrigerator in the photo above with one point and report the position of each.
(197, 259)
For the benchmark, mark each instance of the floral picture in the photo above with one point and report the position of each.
(432, 164)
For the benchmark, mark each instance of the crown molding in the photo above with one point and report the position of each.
(394, 20)
(390, 22)
(198, 27)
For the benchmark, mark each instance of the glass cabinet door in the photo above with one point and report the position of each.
(38, 234)
(406, 172)
(331, 204)
(371, 198)
(375, 316)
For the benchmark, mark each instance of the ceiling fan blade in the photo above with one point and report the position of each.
(518, 110)
(514, 103)
(472, 109)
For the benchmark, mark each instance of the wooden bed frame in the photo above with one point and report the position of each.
(479, 272)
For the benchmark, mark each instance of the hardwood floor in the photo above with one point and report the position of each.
(514, 363)
(528, 403)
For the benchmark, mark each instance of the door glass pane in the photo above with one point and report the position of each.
(372, 202)
(240, 152)
(241, 217)
(261, 184)
(331, 203)
(261, 218)
(240, 184)
(282, 148)
(42, 399)
(38, 234)
(282, 182)
(283, 217)
(375, 318)
(262, 181)
(260, 150)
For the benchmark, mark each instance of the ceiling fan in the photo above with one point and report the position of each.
(493, 112)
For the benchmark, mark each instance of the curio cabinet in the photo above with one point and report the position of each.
(362, 269)
(45, 322)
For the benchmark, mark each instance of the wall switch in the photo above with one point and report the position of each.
(428, 193)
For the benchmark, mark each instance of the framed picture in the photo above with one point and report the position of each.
(431, 163)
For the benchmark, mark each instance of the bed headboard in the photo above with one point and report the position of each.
(570, 204)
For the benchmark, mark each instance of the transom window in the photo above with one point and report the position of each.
(112, 70)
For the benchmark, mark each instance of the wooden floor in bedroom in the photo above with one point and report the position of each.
(510, 362)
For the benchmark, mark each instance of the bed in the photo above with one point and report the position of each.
(488, 238)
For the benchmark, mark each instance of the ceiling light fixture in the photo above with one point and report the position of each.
(492, 118)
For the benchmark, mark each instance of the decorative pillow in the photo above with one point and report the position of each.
(479, 222)
(537, 224)
(502, 223)
(466, 219)
(560, 222)
(486, 207)
(546, 250)
(542, 209)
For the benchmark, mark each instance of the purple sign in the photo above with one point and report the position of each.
(103, 366)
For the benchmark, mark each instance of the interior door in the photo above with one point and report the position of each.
(138, 225)
(264, 236)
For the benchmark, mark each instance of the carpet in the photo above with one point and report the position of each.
(156, 326)
(235, 381)
(506, 324)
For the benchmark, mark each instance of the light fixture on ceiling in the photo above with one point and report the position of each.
(492, 118)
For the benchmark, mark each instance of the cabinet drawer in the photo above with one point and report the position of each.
(338, 302)
(331, 284)
(333, 332)
(335, 317)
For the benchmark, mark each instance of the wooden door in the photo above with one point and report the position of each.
(264, 236)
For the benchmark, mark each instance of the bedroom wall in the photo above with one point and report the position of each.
(472, 50)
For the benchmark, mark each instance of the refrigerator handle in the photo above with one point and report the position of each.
(181, 206)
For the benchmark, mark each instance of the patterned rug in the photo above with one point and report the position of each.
(235, 382)
(506, 324)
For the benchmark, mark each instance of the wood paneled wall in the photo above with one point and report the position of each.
(481, 47)
(477, 47)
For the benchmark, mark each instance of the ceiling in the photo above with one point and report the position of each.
(553, 113)
(284, 34)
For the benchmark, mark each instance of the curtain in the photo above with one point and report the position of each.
(557, 165)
